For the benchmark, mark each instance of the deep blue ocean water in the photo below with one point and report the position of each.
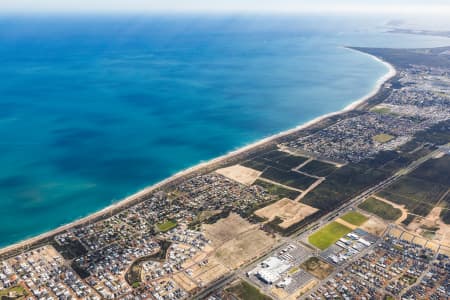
(94, 108)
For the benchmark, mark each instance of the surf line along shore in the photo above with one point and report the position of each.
(140, 196)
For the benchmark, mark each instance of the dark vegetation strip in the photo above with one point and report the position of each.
(289, 178)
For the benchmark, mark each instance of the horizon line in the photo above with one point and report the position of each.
(365, 10)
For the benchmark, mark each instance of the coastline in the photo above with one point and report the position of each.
(128, 200)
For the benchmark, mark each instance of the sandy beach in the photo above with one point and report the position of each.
(28, 242)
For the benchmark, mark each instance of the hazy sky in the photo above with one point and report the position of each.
(310, 6)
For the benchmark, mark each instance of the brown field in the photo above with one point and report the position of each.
(289, 211)
(374, 226)
(226, 229)
(317, 267)
(236, 241)
(406, 236)
(184, 281)
(432, 245)
(433, 219)
(280, 293)
(244, 248)
(240, 174)
(419, 241)
(204, 270)
(445, 250)
(395, 232)
(207, 273)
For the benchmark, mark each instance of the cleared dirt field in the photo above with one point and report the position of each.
(395, 232)
(244, 248)
(432, 220)
(374, 226)
(432, 245)
(445, 250)
(289, 211)
(382, 138)
(184, 281)
(317, 267)
(406, 236)
(226, 229)
(279, 293)
(236, 241)
(240, 174)
(206, 273)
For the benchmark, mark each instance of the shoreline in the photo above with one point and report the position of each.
(127, 200)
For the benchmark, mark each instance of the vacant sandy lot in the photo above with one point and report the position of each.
(226, 229)
(445, 250)
(207, 271)
(395, 232)
(432, 220)
(200, 270)
(236, 241)
(184, 281)
(406, 236)
(240, 174)
(289, 211)
(374, 226)
(245, 247)
(317, 267)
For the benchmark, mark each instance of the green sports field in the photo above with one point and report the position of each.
(166, 226)
(354, 218)
(328, 235)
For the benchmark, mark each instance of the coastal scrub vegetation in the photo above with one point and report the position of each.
(380, 208)
(318, 168)
(277, 190)
(289, 178)
(275, 158)
(422, 189)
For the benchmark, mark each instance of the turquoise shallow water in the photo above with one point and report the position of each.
(96, 108)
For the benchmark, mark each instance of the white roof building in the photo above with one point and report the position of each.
(271, 270)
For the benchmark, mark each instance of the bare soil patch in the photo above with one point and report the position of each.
(240, 174)
(226, 229)
(236, 241)
(317, 267)
(374, 226)
(291, 212)
(244, 248)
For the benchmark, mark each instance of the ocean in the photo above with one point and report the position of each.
(95, 108)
